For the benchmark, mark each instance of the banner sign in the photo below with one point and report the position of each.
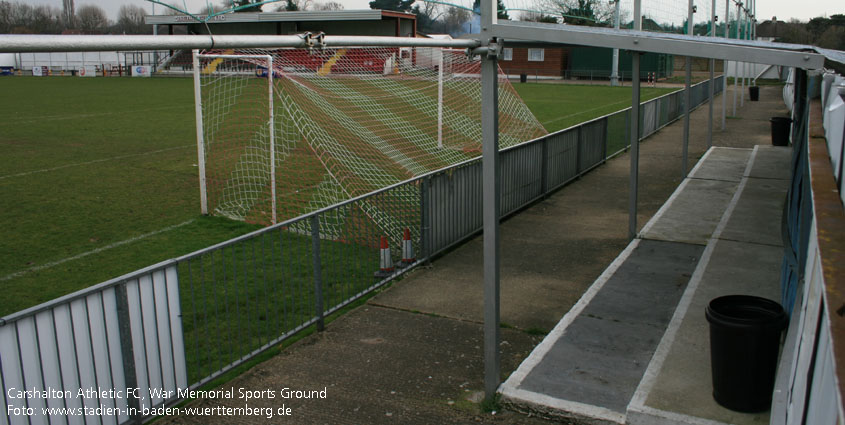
(141, 70)
(88, 71)
(40, 71)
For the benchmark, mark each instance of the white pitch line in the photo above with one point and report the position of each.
(45, 170)
(31, 119)
(584, 112)
(95, 251)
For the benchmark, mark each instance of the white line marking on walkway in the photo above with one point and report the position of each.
(95, 251)
(637, 404)
(515, 380)
(45, 170)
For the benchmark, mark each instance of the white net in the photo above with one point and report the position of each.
(346, 122)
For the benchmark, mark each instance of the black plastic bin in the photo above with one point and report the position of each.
(754, 93)
(780, 130)
(745, 338)
(523, 78)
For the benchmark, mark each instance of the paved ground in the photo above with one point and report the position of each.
(413, 354)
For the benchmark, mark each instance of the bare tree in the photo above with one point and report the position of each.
(832, 38)
(46, 20)
(68, 13)
(537, 17)
(294, 5)
(130, 20)
(214, 8)
(454, 20)
(91, 19)
(579, 12)
(6, 21)
(329, 5)
(22, 18)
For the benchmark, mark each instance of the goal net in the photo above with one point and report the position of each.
(287, 131)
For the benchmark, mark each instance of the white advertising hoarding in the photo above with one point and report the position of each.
(141, 71)
(87, 71)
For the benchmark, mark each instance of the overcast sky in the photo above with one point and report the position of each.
(783, 9)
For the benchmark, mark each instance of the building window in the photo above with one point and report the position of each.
(507, 54)
(535, 55)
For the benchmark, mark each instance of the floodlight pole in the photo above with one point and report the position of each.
(614, 73)
(687, 97)
(725, 64)
(712, 84)
(490, 196)
(635, 129)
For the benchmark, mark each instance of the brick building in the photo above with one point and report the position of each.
(541, 61)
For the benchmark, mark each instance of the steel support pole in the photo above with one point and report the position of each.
(490, 196)
(712, 78)
(736, 64)
(744, 34)
(725, 66)
(687, 96)
(635, 130)
(614, 73)
(318, 273)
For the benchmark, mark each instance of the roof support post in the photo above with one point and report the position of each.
(490, 196)
(635, 130)
(614, 73)
(725, 66)
(687, 97)
(712, 84)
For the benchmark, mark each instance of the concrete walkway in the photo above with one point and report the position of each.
(635, 349)
(413, 354)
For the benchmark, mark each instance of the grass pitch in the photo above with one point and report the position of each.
(98, 176)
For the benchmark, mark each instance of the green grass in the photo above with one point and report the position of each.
(91, 163)
(99, 179)
(86, 164)
(559, 106)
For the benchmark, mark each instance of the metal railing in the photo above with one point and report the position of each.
(182, 323)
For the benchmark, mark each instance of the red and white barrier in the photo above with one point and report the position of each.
(408, 256)
(385, 261)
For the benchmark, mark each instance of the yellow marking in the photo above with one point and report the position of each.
(327, 67)
(212, 66)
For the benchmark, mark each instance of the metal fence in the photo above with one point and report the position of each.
(181, 323)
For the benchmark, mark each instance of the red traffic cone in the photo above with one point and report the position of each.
(408, 256)
(385, 261)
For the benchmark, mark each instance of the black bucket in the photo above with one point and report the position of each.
(744, 344)
(780, 130)
(754, 93)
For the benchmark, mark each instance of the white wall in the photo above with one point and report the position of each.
(7, 59)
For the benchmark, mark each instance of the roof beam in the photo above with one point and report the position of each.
(20, 43)
(642, 41)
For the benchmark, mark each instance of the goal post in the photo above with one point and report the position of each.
(230, 73)
(200, 136)
(336, 123)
